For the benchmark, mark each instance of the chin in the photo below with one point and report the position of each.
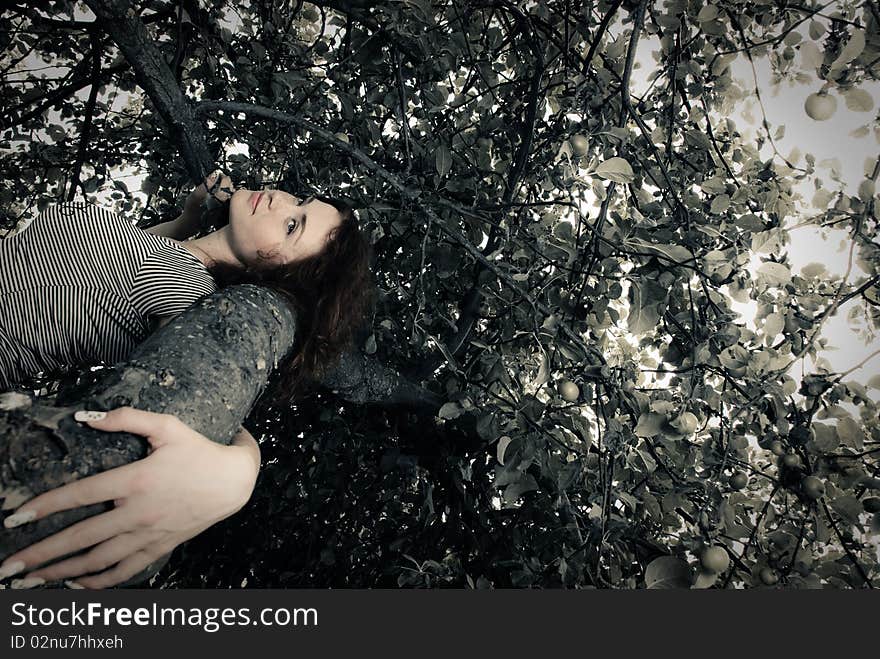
(238, 206)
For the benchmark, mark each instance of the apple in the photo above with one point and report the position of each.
(579, 144)
(791, 460)
(768, 577)
(738, 480)
(569, 391)
(715, 559)
(813, 488)
(871, 504)
(686, 423)
(820, 107)
(777, 448)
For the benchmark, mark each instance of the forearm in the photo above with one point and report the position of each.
(187, 225)
(180, 228)
(189, 222)
(246, 441)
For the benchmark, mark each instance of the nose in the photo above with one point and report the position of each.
(280, 197)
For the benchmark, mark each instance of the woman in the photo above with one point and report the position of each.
(309, 250)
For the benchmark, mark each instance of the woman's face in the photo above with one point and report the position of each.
(271, 227)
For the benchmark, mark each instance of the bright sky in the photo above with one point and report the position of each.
(826, 140)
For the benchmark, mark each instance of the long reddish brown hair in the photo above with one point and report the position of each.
(332, 292)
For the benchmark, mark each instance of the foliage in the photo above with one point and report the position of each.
(608, 234)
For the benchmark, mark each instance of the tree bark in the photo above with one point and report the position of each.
(359, 379)
(124, 26)
(207, 367)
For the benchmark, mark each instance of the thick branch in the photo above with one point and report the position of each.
(203, 368)
(157, 80)
(361, 380)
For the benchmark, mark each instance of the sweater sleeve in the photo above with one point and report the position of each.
(168, 282)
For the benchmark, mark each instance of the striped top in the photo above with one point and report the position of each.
(82, 284)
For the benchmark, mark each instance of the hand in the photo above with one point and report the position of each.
(217, 184)
(185, 484)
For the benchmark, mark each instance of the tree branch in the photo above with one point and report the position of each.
(157, 80)
(89, 115)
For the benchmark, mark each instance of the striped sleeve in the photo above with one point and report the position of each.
(168, 282)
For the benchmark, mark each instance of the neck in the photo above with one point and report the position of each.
(213, 249)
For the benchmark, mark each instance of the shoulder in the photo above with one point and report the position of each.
(79, 211)
(169, 280)
(70, 215)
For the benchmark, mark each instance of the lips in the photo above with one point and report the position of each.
(256, 198)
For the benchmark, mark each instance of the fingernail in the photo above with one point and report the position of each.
(19, 518)
(12, 568)
(74, 585)
(89, 415)
(27, 582)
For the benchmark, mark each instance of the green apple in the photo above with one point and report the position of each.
(715, 559)
(813, 488)
(569, 391)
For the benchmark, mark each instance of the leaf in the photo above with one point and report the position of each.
(813, 269)
(442, 160)
(676, 253)
(850, 433)
(667, 572)
(720, 204)
(749, 222)
(650, 424)
(821, 198)
(707, 13)
(774, 274)
(543, 372)
(722, 63)
(568, 475)
(647, 299)
(648, 459)
(705, 579)
(503, 443)
(773, 325)
(853, 48)
(450, 410)
(506, 476)
(487, 427)
(847, 507)
(858, 100)
(874, 381)
(615, 169)
(811, 56)
(515, 490)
